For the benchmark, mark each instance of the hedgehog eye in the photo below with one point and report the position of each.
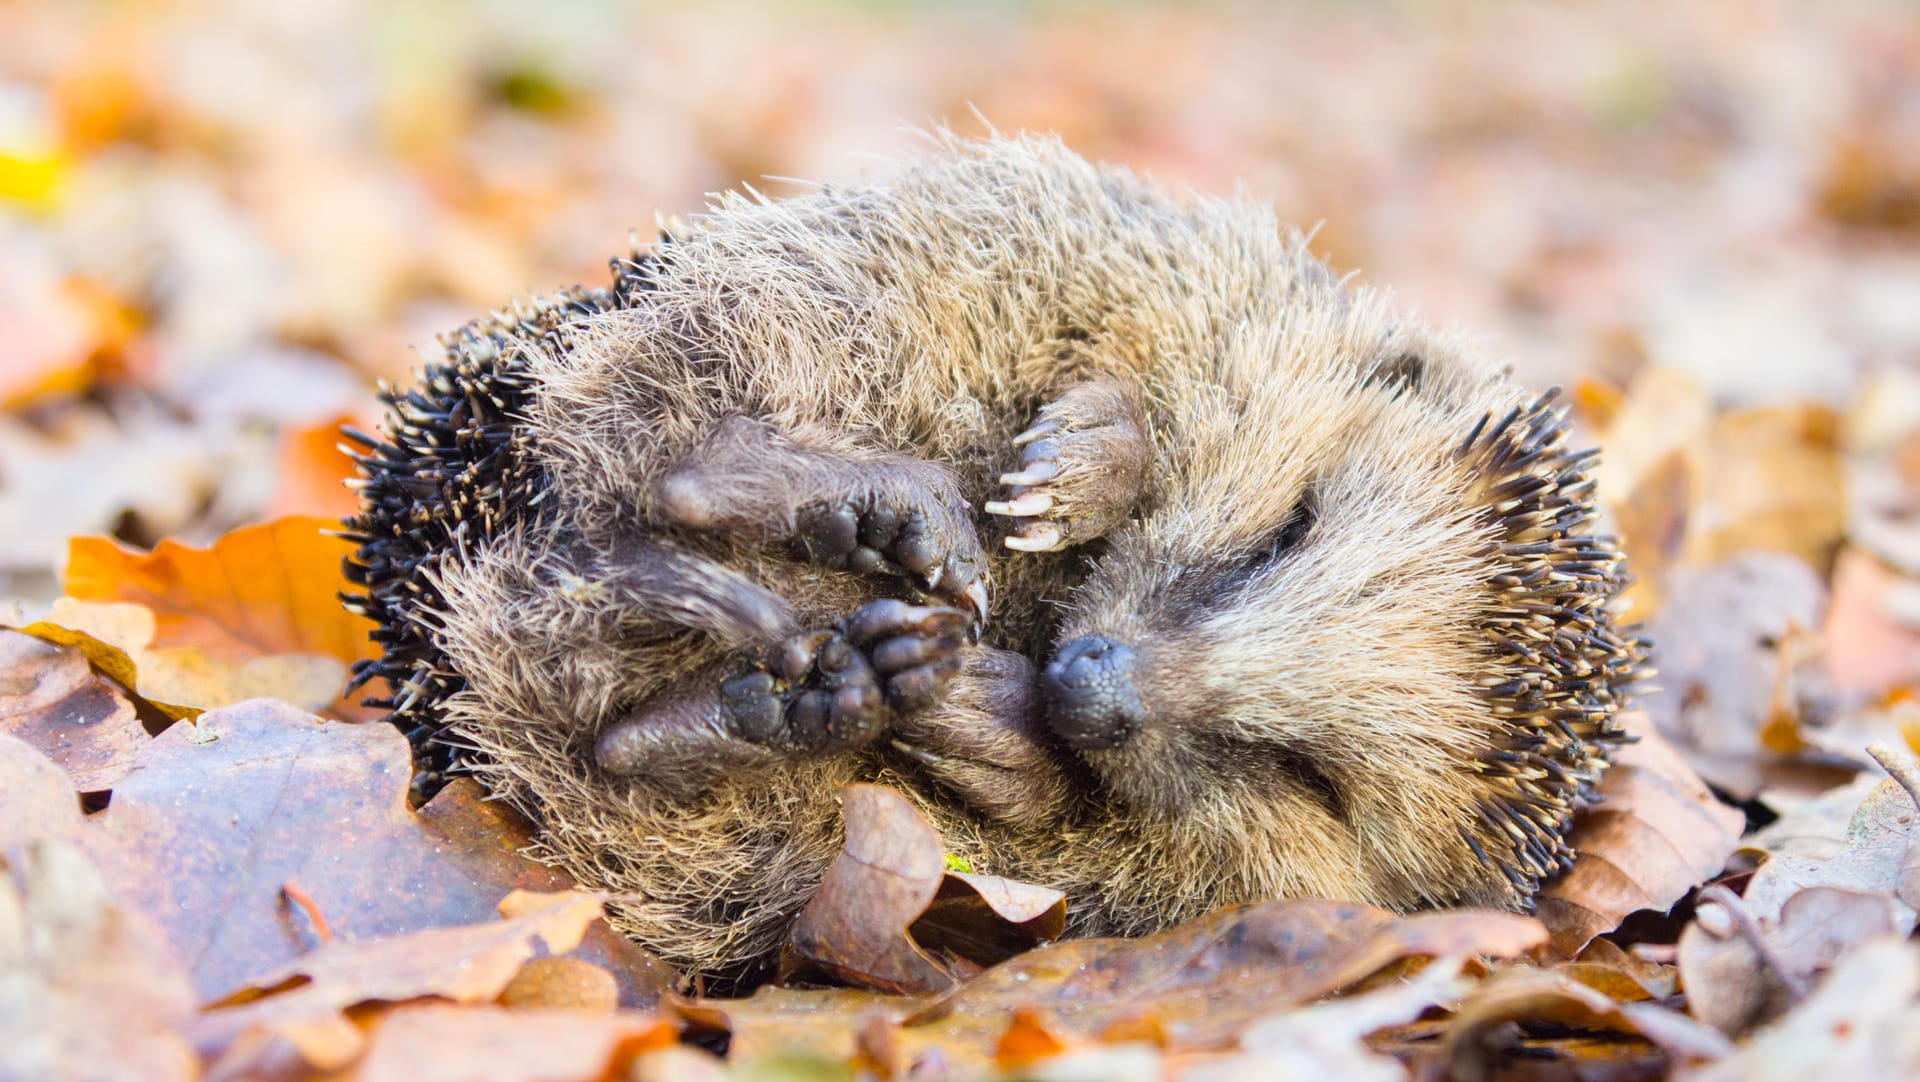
(1295, 530)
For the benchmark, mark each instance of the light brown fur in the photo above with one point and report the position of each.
(1316, 722)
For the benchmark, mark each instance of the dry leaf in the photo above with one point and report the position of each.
(1730, 647)
(1868, 648)
(301, 1003)
(572, 984)
(1652, 522)
(889, 887)
(1771, 479)
(1476, 1043)
(1327, 1040)
(218, 815)
(1204, 981)
(259, 590)
(314, 470)
(1862, 1022)
(438, 1043)
(51, 698)
(88, 987)
(1656, 834)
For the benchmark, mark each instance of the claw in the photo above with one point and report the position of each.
(920, 754)
(1037, 538)
(1025, 505)
(1044, 428)
(976, 595)
(1036, 473)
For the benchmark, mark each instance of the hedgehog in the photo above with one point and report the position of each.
(1151, 560)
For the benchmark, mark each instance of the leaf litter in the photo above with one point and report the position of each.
(1717, 252)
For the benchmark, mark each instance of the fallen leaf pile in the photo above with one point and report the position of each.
(222, 222)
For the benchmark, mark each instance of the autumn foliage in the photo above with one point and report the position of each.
(222, 223)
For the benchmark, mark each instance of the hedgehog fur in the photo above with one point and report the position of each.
(1151, 561)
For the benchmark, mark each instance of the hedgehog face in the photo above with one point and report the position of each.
(1299, 600)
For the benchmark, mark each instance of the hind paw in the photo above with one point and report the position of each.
(838, 688)
(1083, 465)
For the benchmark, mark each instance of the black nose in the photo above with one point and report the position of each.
(1091, 701)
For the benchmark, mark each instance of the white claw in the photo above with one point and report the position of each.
(976, 595)
(1038, 473)
(1044, 428)
(1025, 505)
(1039, 538)
(921, 754)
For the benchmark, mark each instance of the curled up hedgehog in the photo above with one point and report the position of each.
(1151, 561)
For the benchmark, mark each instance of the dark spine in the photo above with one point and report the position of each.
(455, 463)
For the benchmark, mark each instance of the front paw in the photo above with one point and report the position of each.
(908, 533)
(1083, 465)
(837, 688)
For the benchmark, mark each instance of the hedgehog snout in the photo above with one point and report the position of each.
(1092, 703)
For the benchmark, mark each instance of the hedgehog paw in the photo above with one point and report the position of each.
(1083, 464)
(881, 531)
(836, 689)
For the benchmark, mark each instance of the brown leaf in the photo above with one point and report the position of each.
(1732, 987)
(434, 1042)
(822, 1023)
(1476, 1043)
(563, 983)
(1327, 1040)
(1859, 1024)
(51, 698)
(986, 919)
(1656, 834)
(302, 1001)
(1206, 980)
(890, 886)
(1653, 530)
(1867, 648)
(1746, 959)
(88, 988)
(259, 600)
(1731, 645)
(217, 815)
(37, 801)
(1773, 480)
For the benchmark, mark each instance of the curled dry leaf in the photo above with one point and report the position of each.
(1657, 833)
(88, 987)
(1202, 983)
(1477, 1041)
(51, 697)
(888, 915)
(257, 612)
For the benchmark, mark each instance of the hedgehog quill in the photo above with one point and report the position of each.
(1151, 561)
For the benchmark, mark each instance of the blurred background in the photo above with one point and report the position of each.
(222, 221)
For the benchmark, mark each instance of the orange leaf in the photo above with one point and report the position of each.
(313, 472)
(259, 590)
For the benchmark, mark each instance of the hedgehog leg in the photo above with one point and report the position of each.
(856, 510)
(985, 742)
(1083, 465)
(819, 692)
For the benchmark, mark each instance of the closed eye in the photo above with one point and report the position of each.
(1293, 533)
